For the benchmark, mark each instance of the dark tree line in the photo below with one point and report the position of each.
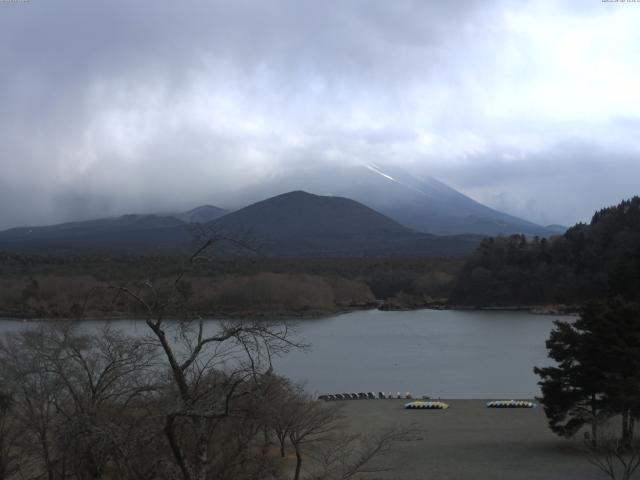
(55, 286)
(598, 260)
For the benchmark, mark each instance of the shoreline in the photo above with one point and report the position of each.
(544, 310)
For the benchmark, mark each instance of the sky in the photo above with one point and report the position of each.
(532, 108)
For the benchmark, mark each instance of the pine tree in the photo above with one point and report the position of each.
(598, 370)
(617, 326)
(572, 392)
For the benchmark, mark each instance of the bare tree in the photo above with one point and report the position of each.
(106, 376)
(614, 458)
(72, 391)
(9, 453)
(312, 422)
(282, 398)
(317, 432)
(35, 392)
(617, 458)
(349, 455)
(211, 370)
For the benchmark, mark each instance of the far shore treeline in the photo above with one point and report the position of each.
(595, 260)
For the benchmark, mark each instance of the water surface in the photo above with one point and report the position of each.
(441, 353)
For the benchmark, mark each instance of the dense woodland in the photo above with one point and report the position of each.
(594, 260)
(58, 286)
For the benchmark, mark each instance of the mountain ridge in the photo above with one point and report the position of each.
(292, 224)
(426, 205)
(299, 223)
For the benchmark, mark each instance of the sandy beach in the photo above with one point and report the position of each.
(469, 442)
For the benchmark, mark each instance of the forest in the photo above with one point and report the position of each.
(57, 286)
(595, 260)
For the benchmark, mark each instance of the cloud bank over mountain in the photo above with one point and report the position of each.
(529, 107)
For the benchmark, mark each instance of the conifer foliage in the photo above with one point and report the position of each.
(597, 371)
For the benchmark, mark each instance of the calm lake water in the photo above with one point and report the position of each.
(441, 353)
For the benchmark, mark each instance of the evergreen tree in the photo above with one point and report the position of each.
(572, 392)
(598, 370)
(617, 327)
(598, 260)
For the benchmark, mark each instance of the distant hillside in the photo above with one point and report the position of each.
(425, 205)
(203, 214)
(302, 224)
(589, 261)
(296, 224)
(301, 213)
(128, 232)
(132, 232)
(556, 229)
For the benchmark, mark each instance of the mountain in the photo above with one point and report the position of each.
(117, 233)
(202, 214)
(302, 224)
(431, 206)
(425, 205)
(294, 224)
(128, 232)
(557, 229)
(301, 213)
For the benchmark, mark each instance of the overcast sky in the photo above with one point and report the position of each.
(531, 107)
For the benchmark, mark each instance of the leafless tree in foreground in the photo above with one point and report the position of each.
(616, 458)
(312, 422)
(215, 373)
(9, 454)
(73, 395)
(317, 431)
(350, 455)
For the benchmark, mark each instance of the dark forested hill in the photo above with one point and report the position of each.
(301, 224)
(592, 260)
(131, 232)
(151, 233)
(295, 224)
(301, 213)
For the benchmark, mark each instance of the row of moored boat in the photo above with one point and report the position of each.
(426, 405)
(368, 396)
(493, 404)
(420, 405)
(510, 404)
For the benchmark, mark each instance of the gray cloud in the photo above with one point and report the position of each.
(109, 107)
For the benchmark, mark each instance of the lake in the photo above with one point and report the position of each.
(441, 353)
